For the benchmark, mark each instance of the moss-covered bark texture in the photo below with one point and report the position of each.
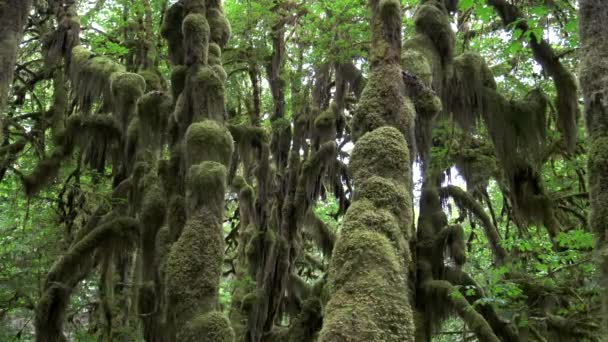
(594, 81)
(368, 271)
(196, 31)
(13, 16)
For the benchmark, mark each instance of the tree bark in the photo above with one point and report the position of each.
(594, 81)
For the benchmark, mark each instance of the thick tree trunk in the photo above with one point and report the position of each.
(13, 16)
(594, 81)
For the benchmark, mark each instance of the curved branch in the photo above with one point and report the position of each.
(464, 199)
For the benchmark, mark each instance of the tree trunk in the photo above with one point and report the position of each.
(594, 81)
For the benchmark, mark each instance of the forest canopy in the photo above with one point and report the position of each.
(308, 170)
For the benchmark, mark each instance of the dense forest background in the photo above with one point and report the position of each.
(277, 170)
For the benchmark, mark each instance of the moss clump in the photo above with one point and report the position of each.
(209, 141)
(432, 20)
(382, 152)
(383, 103)
(215, 54)
(416, 63)
(206, 186)
(154, 80)
(210, 327)
(171, 30)
(178, 80)
(471, 76)
(220, 27)
(126, 88)
(153, 111)
(194, 267)
(91, 78)
(102, 126)
(388, 194)
(252, 136)
(369, 300)
(196, 38)
(365, 216)
(424, 48)
(207, 94)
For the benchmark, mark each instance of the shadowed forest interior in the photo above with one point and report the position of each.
(304, 170)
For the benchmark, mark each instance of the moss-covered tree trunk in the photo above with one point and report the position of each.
(13, 16)
(593, 15)
(369, 267)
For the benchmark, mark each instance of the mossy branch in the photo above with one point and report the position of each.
(466, 201)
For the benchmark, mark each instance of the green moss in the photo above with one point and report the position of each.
(428, 103)
(471, 75)
(433, 21)
(369, 300)
(196, 38)
(127, 85)
(178, 80)
(209, 141)
(194, 267)
(163, 247)
(154, 80)
(171, 30)
(388, 194)
(382, 152)
(220, 27)
(215, 54)
(598, 165)
(153, 111)
(91, 78)
(176, 216)
(383, 103)
(206, 186)
(420, 45)
(208, 327)
(416, 63)
(365, 216)
(152, 214)
(248, 135)
(102, 126)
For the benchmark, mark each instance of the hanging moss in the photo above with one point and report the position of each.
(383, 103)
(219, 25)
(209, 141)
(196, 38)
(252, 136)
(126, 89)
(323, 236)
(209, 327)
(471, 76)
(153, 111)
(432, 20)
(102, 126)
(325, 123)
(44, 172)
(91, 77)
(171, 30)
